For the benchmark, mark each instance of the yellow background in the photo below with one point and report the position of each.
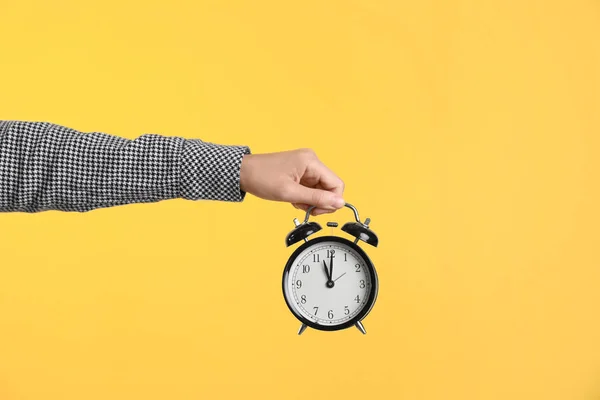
(468, 131)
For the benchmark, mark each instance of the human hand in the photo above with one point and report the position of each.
(295, 176)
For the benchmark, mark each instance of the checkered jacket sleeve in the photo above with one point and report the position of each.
(46, 166)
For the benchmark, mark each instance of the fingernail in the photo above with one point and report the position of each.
(338, 202)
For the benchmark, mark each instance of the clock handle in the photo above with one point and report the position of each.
(360, 230)
(350, 206)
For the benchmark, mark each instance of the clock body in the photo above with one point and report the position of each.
(329, 283)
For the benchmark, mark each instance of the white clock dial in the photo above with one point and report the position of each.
(324, 300)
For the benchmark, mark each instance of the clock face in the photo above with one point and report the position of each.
(329, 283)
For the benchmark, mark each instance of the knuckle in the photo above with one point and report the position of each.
(307, 153)
(318, 197)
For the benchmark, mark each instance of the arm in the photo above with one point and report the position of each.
(45, 166)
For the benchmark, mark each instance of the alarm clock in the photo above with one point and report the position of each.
(329, 282)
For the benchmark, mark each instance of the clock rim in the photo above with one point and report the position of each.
(372, 273)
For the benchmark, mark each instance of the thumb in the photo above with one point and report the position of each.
(315, 197)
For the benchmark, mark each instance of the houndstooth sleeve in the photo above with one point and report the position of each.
(46, 166)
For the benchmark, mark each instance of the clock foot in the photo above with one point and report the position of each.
(302, 328)
(360, 327)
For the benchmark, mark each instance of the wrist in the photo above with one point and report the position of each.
(246, 168)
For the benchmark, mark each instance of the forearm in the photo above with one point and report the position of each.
(45, 166)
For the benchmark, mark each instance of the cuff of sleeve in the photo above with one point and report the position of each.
(211, 171)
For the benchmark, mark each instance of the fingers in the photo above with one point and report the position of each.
(320, 211)
(319, 186)
(328, 180)
(324, 199)
(314, 212)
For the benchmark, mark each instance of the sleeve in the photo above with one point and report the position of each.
(46, 166)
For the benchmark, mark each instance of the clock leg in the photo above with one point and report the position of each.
(302, 328)
(360, 327)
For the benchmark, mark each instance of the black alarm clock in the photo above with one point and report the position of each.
(329, 282)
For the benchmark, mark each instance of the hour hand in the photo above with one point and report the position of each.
(326, 270)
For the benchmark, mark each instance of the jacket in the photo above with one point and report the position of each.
(46, 166)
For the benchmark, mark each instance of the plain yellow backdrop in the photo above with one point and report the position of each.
(469, 131)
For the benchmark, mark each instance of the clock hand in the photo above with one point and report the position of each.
(331, 267)
(339, 277)
(326, 271)
(329, 282)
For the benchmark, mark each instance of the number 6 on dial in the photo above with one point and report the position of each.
(329, 283)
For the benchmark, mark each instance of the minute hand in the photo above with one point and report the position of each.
(331, 267)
